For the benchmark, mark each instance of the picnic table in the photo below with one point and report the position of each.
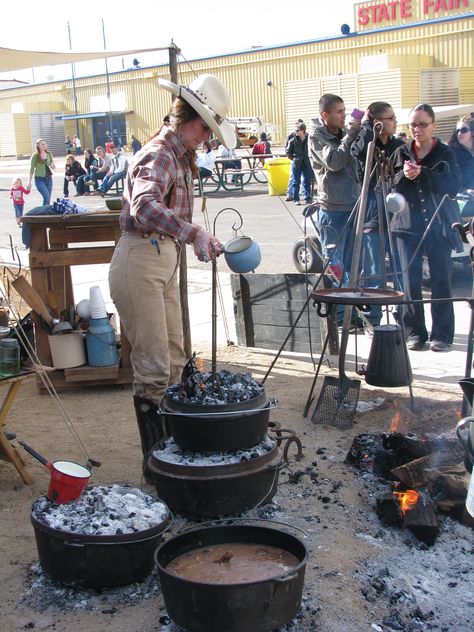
(235, 179)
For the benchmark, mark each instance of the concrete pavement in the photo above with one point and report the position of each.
(275, 225)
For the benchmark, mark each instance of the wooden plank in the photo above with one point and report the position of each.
(82, 373)
(124, 376)
(71, 257)
(81, 235)
(274, 313)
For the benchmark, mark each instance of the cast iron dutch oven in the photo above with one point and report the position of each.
(97, 561)
(220, 428)
(216, 489)
(259, 606)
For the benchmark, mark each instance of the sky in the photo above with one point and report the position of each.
(198, 29)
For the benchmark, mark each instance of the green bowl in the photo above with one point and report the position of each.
(114, 204)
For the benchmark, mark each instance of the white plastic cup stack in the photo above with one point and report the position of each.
(97, 303)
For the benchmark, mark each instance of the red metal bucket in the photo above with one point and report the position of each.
(68, 481)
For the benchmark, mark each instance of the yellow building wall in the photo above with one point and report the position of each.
(21, 125)
(447, 44)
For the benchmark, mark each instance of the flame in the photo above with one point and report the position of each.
(407, 500)
(402, 420)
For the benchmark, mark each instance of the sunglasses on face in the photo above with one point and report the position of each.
(463, 130)
(389, 118)
(422, 125)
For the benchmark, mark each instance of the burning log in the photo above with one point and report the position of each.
(411, 510)
(413, 474)
(410, 446)
(420, 516)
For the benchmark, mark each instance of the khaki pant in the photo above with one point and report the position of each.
(143, 281)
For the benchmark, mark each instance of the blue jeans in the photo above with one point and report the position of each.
(45, 188)
(438, 251)
(372, 266)
(18, 210)
(94, 177)
(109, 181)
(299, 172)
(80, 186)
(333, 224)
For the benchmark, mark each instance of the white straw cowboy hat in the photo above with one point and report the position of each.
(208, 96)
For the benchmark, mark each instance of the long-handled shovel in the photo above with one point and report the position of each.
(338, 399)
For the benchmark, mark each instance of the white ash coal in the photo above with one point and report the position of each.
(421, 588)
(209, 389)
(42, 592)
(103, 510)
(170, 452)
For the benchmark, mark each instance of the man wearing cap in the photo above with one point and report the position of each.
(156, 221)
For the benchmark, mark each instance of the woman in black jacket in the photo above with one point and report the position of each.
(425, 171)
(72, 171)
(89, 161)
(462, 143)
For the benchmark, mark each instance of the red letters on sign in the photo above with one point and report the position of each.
(385, 12)
(401, 9)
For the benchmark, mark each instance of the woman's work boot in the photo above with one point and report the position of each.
(152, 427)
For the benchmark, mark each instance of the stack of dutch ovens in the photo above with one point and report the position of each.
(219, 459)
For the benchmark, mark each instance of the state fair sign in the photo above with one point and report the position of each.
(373, 15)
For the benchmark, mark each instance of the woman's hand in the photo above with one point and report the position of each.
(206, 246)
(411, 170)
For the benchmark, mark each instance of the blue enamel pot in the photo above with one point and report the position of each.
(242, 254)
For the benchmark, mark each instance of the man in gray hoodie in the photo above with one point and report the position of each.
(336, 177)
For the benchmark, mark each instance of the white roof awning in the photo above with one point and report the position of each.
(12, 59)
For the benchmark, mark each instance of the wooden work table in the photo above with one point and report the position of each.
(57, 243)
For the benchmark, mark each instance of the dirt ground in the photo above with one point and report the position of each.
(360, 575)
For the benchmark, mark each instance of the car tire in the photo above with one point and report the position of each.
(306, 255)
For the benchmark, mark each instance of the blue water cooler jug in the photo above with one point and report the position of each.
(101, 344)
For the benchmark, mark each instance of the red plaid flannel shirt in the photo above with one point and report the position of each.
(159, 175)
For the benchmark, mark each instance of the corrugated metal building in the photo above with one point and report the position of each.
(405, 51)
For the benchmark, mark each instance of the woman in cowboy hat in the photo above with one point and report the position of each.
(157, 221)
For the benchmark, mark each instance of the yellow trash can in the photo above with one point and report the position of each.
(278, 175)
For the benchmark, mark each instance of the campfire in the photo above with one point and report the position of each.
(426, 473)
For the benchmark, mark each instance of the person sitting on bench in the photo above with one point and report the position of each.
(205, 160)
(117, 171)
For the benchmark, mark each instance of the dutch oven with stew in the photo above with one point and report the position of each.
(237, 578)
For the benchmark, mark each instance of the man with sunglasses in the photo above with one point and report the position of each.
(425, 171)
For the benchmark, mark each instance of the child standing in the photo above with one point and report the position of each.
(16, 194)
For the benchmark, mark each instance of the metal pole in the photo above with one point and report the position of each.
(173, 61)
(73, 81)
(183, 267)
(108, 83)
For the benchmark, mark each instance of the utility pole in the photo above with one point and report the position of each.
(73, 70)
(108, 84)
